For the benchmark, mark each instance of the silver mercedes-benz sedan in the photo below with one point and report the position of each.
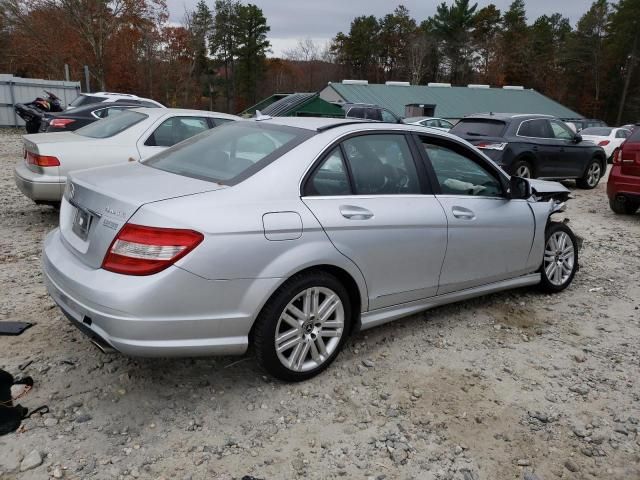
(290, 234)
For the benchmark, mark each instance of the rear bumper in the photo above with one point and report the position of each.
(620, 184)
(40, 187)
(172, 313)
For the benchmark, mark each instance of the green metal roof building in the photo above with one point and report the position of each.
(295, 105)
(443, 100)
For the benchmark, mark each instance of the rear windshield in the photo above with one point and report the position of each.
(230, 153)
(86, 100)
(475, 127)
(598, 131)
(112, 125)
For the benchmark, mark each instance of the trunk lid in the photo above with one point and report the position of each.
(630, 158)
(99, 201)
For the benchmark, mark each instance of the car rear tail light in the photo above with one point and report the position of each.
(617, 157)
(61, 122)
(41, 160)
(491, 146)
(603, 143)
(141, 250)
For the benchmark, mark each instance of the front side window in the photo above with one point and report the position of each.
(458, 174)
(330, 178)
(560, 131)
(175, 130)
(229, 153)
(113, 125)
(381, 165)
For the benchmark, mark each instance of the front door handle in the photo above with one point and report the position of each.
(463, 213)
(353, 212)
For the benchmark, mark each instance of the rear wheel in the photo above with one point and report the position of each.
(560, 261)
(303, 326)
(523, 169)
(33, 126)
(623, 205)
(592, 175)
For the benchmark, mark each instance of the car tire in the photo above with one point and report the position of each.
(33, 126)
(623, 206)
(307, 349)
(520, 169)
(592, 175)
(560, 258)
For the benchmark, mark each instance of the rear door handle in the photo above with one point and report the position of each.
(463, 213)
(353, 212)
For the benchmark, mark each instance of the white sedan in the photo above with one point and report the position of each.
(431, 122)
(608, 138)
(130, 136)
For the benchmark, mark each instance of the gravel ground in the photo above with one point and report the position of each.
(508, 386)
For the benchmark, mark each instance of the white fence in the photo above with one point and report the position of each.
(24, 90)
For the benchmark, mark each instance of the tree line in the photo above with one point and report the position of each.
(218, 58)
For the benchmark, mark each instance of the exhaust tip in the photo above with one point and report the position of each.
(103, 346)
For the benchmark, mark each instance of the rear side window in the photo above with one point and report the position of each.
(176, 129)
(230, 153)
(330, 178)
(535, 129)
(381, 165)
(112, 125)
(479, 128)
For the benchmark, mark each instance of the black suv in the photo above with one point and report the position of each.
(534, 146)
(369, 112)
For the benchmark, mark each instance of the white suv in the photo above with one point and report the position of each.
(108, 97)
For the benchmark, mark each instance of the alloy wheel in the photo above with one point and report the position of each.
(593, 174)
(523, 171)
(559, 258)
(309, 329)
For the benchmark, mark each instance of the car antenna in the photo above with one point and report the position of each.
(260, 116)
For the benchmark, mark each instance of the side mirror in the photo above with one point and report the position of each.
(519, 188)
(577, 138)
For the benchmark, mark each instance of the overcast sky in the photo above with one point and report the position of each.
(320, 20)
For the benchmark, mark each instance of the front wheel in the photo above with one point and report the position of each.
(522, 169)
(592, 176)
(303, 326)
(560, 261)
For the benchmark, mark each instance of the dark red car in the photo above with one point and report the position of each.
(623, 188)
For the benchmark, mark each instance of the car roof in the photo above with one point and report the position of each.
(159, 112)
(345, 125)
(506, 116)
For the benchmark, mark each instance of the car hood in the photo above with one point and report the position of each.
(547, 187)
